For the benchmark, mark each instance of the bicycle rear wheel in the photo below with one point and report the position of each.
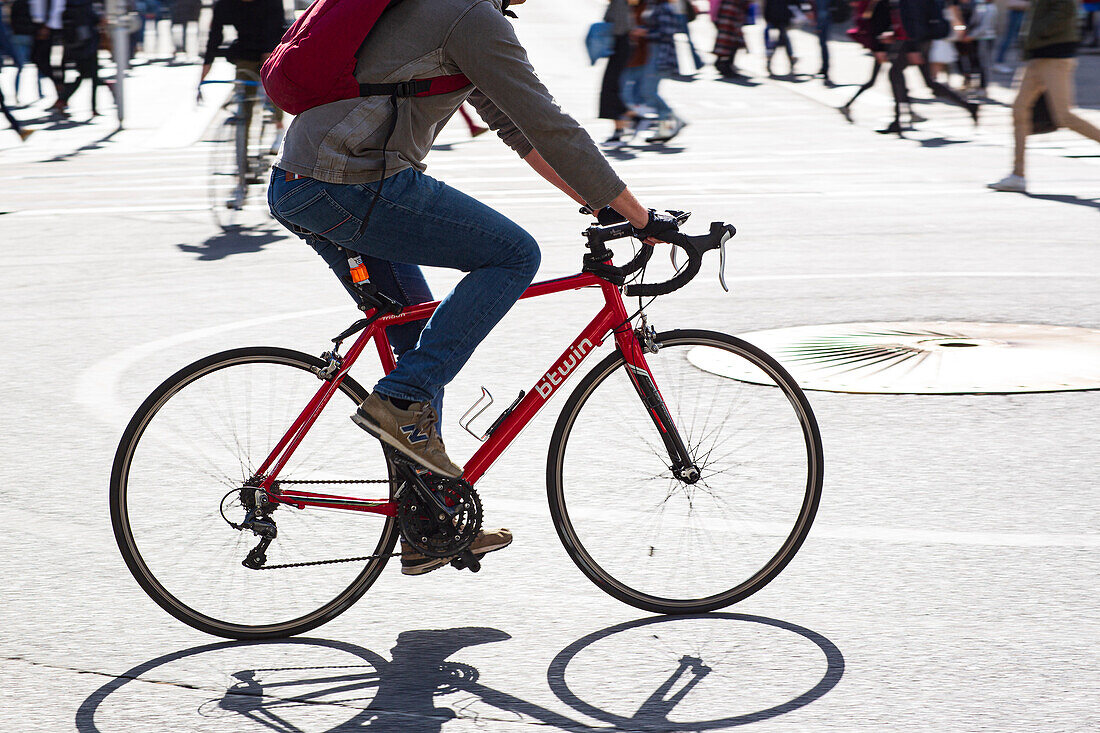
(227, 186)
(183, 461)
(654, 541)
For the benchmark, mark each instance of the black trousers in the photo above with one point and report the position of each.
(899, 62)
(611, 103)
(41, 53)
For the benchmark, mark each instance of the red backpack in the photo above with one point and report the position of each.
(314, 64)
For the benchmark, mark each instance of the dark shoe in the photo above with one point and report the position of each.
(893, 128)
(846, 111)
(973, 108)
(410, 431)
(413, 563)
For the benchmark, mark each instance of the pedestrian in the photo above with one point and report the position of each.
(975, 41)
(259, 25)
(80, 34)
(1051, 37)
(778, 15)
(475, 129)
(350, 179)
(729, 19)
(46, 15)
(823, 20)
(1017, 9)
(913, 25)
(662, 23)
(621, 17)
(23, 29)
(184, 14)
(1092, 27)
(23, 132)
(633, 81)
(869, 21)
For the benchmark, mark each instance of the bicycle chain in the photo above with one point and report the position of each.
(327, 562)
(330, 562)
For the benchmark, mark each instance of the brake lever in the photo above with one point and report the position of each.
(722, 266)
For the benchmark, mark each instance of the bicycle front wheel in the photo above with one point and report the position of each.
(179, 478)
(662, 544)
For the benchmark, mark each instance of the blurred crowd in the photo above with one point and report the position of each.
(957, 46)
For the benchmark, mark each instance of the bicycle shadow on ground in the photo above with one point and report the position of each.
(696, 672)
(233, 241)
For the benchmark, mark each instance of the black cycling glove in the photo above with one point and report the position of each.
(658, 225)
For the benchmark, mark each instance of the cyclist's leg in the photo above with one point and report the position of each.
(419, 220)
(246, 71)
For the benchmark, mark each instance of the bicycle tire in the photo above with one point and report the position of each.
(140, 552)
(225, 179)
(600, 517)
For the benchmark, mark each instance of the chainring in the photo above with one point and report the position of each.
(432, 532)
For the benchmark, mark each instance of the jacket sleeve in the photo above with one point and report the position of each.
(483, 45)
(499, 123)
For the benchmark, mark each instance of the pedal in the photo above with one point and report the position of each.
(466, 560)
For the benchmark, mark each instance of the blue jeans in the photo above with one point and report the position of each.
(638, 86)
(824, 21)
(1012, 30)
(417, 221)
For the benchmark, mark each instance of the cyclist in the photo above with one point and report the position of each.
(338, 156)
(259, 25)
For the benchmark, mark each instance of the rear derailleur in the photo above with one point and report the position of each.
(258, 520)
(438, 516)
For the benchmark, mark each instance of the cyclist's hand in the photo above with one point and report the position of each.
(658, 225)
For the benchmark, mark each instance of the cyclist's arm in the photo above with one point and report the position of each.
(214, 40)
(483, 45)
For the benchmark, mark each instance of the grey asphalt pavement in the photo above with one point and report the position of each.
(949, 582)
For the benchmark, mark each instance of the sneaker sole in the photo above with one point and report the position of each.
(374, 429)
(428, 567)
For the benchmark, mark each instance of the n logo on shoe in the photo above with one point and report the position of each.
(413, 435)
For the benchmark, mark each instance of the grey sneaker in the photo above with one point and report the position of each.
(413, 563)
(1013, 183)
(410, 431)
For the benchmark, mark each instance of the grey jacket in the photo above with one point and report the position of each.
(342, 142)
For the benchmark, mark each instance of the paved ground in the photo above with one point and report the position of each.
(948, 584)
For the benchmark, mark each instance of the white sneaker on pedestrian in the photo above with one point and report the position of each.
(1013, 183)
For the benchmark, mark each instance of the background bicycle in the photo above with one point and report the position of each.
(243, 140)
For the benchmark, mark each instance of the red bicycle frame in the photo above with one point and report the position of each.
(611, 319)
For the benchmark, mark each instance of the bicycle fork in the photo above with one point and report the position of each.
(633, 345)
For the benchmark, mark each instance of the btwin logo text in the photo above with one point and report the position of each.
(556, 376)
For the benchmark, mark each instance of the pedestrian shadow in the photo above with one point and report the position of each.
(86, 148)
(1093, 203)
(315, 684)
(940, 142)
(233, 241)
(630, 152)
(741, 81)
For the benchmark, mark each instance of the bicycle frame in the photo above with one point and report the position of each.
(612, 319)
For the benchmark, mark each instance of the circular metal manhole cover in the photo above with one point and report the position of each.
(925, 357)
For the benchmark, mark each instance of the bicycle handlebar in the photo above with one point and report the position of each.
(598, 260)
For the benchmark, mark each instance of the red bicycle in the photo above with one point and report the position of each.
(683, 474)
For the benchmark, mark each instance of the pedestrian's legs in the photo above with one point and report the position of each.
(611, 103)
(1057, 75)
(898, 62)
(41, 53)
(630, 87)
(870, 83)
(7, 113)
(419, 220)
(1012, 30)
(824, 20)
(651, 80)
(1031, 87)
(785, 39)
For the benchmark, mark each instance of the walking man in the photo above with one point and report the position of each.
(1050, 47)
